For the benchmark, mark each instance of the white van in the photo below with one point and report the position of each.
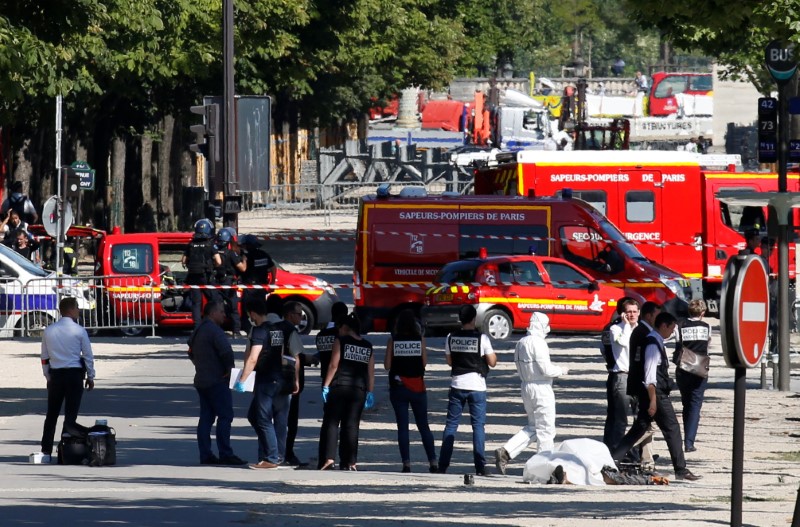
(29, 295)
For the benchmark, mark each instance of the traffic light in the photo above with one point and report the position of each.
(206, 142)
(767, 130)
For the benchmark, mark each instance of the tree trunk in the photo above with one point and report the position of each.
(116, 194)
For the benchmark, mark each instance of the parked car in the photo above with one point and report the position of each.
(505, 290)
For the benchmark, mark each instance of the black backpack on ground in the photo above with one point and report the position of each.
(95, 446)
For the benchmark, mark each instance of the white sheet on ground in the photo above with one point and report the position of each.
(582, 460)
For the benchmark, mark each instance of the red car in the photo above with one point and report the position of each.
(505, 290)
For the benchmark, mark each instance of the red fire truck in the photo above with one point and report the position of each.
(404, 240)
(663, 202)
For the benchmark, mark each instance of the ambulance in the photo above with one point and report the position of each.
(663, 202)
(404, 240)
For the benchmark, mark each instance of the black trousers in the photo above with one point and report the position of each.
(294, 413)
(343, 410)
(196, 296)
(64, 387)
(668, 424)
(619, 405)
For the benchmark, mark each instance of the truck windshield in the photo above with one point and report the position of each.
(21, 261)
(620, 243)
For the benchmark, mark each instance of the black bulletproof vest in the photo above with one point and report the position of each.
(663, 381)
(324, 341)
(407, 358)
(353, 363)
(465, 352)
(269, 360)
(694, 335)
(200, 256)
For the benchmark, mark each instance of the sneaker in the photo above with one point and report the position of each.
(263, 464)
(501, 459)
(232, 460)
(213, 460)
(687, 475)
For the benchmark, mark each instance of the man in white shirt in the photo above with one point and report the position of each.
(619, 402)
(470, 355)
(66, 358)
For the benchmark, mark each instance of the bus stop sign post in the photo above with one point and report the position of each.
(744, 326)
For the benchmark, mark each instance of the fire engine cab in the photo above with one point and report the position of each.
(663, 202)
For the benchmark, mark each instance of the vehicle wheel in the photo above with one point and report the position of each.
(308, 322)
(35, 323)
(131, 330)
(497, 324)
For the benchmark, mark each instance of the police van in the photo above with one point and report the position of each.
(29, 295)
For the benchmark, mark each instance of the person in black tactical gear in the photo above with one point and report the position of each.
(470, 355)
(650, 371)
(260, 269)
(347, 392)
(228, 274)
(200, 259)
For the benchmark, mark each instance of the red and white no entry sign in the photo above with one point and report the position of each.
(746, 313)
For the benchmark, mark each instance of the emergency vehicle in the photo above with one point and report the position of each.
(29, 296)
(403, 241)
(663, 202)
(505, 290)
(138, 265)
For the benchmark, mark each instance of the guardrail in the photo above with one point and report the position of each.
(125, 303)
(311, 199)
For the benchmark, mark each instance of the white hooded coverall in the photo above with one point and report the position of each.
(532, 357)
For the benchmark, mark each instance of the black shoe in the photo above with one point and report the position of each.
(406, 469)
(442, 470)
(434, 468)
(483, 472)
(213, 460)
(232, 460)
(690, 449)
(688, 476)
(294, 461)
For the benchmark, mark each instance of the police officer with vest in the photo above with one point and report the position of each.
(260, 269)
(228, 274)
(324, 343)
(470, 355)
(200, 259)
(347, 391)
(650, 373)
(695, 335)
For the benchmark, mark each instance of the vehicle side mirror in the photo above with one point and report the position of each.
(594, 286)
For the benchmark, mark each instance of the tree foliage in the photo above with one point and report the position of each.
(735, 33)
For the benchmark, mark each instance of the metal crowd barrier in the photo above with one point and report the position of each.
(127, 304)
(306, 200)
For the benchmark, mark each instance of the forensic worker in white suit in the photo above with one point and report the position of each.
(536, 373)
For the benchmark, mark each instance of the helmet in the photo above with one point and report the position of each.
(230, 235)
(249, 240)
(204, 228)
(224, 237)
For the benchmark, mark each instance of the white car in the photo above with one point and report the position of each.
(29, 295)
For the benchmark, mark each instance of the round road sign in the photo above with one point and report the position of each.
(745, 317)
(780, 60)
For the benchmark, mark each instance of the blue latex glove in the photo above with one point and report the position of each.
(325, 391)
(238, 387)
(370, 402)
